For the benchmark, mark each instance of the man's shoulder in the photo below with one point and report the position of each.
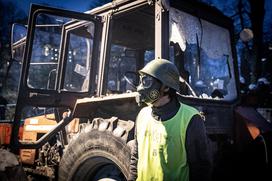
(143, 116)
(189, 108)
(145, 109)
(144, 112)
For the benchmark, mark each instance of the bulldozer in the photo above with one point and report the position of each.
(76, 107)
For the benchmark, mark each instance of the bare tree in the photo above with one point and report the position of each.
(9, 14)
(257, 18)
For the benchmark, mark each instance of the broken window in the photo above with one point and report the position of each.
(202, 52)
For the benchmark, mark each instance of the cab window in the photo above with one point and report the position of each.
(202, 52)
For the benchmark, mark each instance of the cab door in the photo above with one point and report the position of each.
(59, 66)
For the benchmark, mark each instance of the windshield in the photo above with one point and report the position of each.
(79, 55)
(45, 54)
(202, 52)
(132, 46)
(45, 57)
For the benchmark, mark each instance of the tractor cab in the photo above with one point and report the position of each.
(79, 72)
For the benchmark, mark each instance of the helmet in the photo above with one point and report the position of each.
(163, 70)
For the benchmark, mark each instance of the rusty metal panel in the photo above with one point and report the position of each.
(5, 133)
(28, 155)
(40, 124)
(123, 106)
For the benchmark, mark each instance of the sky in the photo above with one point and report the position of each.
(74, 5)
(84, 5)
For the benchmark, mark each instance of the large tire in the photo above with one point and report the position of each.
(99, 152)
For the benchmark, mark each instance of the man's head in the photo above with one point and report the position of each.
(157, 78)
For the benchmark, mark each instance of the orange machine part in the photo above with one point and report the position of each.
(5, 133)
(32, 127)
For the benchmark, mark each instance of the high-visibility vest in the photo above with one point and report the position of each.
(161, 145)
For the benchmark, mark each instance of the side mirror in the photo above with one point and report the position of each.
(18, 41)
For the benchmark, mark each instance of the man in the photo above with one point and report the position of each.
(171, 142)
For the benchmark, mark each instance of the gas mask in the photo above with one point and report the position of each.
(148, 89)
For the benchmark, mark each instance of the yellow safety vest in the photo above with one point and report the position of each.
(161, 145)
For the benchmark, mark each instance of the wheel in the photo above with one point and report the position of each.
(99, 152)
